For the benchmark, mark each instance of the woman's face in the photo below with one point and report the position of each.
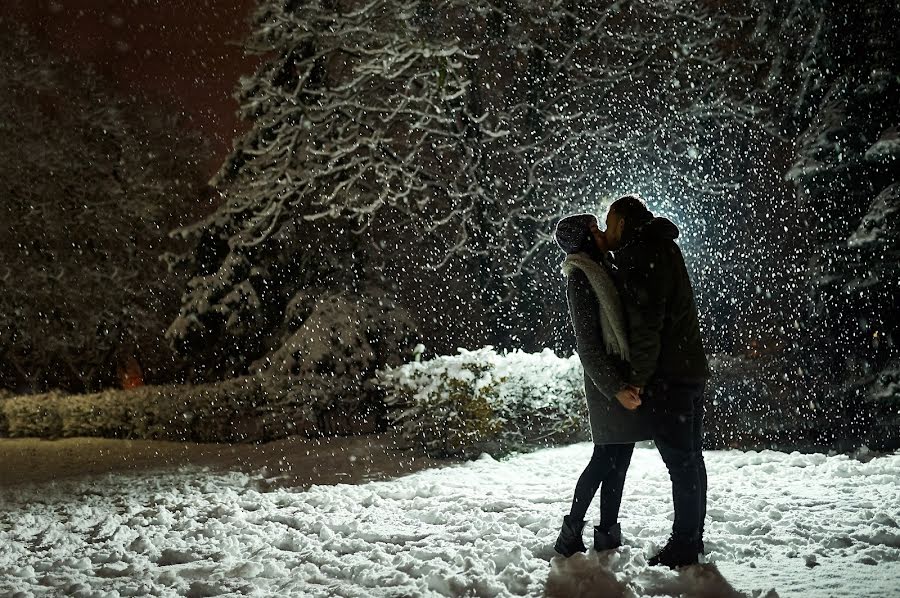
(598, 235)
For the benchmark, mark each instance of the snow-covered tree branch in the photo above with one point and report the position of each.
(474, 125)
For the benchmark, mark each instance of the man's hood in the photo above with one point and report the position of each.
(660, 228)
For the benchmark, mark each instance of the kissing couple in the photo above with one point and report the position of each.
(638, 338)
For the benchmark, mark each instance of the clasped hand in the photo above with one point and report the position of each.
(629, 397)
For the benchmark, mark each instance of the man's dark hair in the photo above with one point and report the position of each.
(632, 209)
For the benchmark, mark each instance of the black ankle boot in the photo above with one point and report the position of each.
(569, 541)
(679, 551)
(608, 538)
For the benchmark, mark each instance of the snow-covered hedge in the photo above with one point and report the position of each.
(5, 395)
(484, 401)
(757, 404)
(248, 409)
(206, 413)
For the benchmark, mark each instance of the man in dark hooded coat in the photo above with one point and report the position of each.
(667, 360)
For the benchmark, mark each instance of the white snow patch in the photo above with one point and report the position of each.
(779, 524)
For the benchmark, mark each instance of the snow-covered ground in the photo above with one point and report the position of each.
(779, 525)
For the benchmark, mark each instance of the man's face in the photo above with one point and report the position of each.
(614, 227)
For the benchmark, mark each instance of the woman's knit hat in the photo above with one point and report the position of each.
(573, 232)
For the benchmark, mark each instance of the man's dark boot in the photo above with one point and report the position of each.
(569, 541)
(679, 551)
(607, 539)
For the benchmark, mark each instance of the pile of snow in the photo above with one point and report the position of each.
(483, 400)
(779, 525)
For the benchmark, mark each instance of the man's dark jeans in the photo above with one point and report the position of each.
(676, 412)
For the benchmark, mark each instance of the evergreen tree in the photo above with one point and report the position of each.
(842, 78)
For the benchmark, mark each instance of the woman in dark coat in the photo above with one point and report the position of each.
(616, 419)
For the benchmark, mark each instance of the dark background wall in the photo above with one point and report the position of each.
(183, 53)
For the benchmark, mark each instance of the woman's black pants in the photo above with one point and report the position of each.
(606, 470)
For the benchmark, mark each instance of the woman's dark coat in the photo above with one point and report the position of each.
(604, 373)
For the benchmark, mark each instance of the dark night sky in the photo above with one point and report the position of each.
(185, 54)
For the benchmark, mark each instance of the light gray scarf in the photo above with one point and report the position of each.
(612, 319)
